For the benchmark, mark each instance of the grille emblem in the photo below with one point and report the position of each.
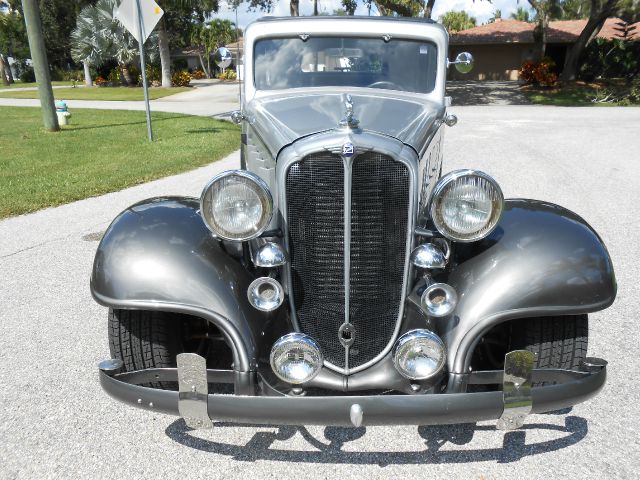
(346, 334)
(348, 149)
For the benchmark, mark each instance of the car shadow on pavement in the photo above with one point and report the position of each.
(259, 447)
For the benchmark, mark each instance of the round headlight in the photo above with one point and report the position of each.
(296, 358)
(466, 205)
(236, 205)
(419, 354)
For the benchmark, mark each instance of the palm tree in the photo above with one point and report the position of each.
(521, 14)
(98, 36)
(175, 10)
(457, 21)
(210, 37)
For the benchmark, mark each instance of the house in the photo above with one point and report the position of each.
(189, 58)
(500, 48)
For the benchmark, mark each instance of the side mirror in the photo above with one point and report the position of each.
(463, 62)
(223, 57)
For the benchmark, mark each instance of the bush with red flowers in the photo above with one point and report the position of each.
(539, 73)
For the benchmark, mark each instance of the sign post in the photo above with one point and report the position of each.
(140, 19)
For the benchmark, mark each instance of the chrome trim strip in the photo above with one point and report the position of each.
(363, 142)
(348, 174)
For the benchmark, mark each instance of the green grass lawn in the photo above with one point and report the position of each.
(103, 151)
(562, 97)
(99, 93)
(19, 84)
(577, 94)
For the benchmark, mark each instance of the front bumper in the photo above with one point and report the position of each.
(569, 388)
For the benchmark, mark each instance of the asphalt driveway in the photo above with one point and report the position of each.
(55, 421)
(486, 92)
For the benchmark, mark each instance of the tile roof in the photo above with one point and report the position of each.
(515, 31)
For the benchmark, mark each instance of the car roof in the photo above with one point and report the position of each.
(347, 17)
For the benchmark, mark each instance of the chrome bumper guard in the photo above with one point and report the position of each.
(510, 406)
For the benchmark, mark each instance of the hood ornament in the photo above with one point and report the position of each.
(349, 119)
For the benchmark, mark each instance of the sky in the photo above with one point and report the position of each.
(482, 10)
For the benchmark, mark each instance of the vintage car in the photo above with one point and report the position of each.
(337, 277)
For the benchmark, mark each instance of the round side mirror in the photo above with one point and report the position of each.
(223, 57)
(464, 62)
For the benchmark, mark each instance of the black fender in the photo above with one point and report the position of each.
(541, 260)
(159, 255)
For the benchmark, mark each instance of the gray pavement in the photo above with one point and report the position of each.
(208, 99)
(55, 421)
(486, 92)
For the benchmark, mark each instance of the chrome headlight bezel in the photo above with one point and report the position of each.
(287, 343)
(437, 195)
(409, 339)
(262, 190)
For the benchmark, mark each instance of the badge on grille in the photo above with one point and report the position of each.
(347, 149)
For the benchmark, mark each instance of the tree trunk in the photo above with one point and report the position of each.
(8, 71)
(165, 54)
(294, 8)
(540, 31)
(315, 8)
(204, 68)
(590, 30)
(87, 75)
(540, 35)
(40, 64)
(209, 64)
(3, 74)
(126, 75)
(428, 8)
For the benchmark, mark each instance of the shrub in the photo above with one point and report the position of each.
(181, 79)
(539, 73)
(115, 76)
(57, 74)
(228, 74)
(154, 74)
(610, 59)
(136, 75)
(28, 76)
(72, 75)
(622, 93)
(198, 75)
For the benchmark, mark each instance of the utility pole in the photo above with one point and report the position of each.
(40, 64)
(143, 67)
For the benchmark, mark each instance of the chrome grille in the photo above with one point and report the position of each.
(380, 200)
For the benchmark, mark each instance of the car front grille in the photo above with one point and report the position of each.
(380, 199)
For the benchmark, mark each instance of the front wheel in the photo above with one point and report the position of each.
(143, 339)
(557, 342)
(148, 339)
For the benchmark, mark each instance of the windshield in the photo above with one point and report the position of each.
(398, 64)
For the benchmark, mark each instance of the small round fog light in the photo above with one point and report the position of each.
(296, 358)
(419, 354)
(265, 294)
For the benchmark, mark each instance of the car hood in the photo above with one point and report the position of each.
(282, 119)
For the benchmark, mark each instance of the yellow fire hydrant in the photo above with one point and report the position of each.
(64, 116)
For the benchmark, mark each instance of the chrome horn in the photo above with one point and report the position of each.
(439, 300)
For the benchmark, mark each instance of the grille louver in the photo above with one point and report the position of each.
(315, 219)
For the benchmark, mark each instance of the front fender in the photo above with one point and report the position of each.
(540, 260)
(158, 254)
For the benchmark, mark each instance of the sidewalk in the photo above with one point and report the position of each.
(209, 100)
